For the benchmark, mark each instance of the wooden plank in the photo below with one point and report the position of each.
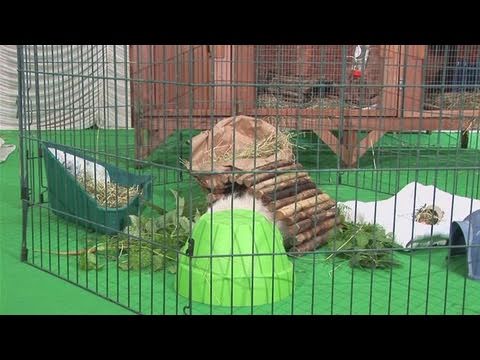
(160, 75)
(147, 140)
(391, 76)
(412, 94)
(325, 112)
(174, 112)
(349, 141)
(333, 143)
(367, 124)
(329, 139)
(305, 61)
(244, 73)
(132, 51)
(293, 112)
(350, 149)
(349, 152)
(222, 77)
(201, 75)
(140, 69)
(408, 124)
(219, 51)
(442, 113)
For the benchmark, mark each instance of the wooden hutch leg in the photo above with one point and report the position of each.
(350, 150)
(148, 139)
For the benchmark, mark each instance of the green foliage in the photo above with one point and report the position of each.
(146, 243)
(363, 245)
(88, 261)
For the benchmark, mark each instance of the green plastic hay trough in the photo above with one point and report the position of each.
(270, 278)
(69, 200)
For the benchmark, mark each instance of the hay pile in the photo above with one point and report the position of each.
(107, 193)
(264, 148)
(275, 143)
(454, 101)
(331, 102)
(429, 215)
(238, 143)
(272, 144)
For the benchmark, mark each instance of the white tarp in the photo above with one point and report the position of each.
(399, 211)
(77, 166)
(79, 86)
(5, 150)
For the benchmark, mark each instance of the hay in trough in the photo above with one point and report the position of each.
(108, 194)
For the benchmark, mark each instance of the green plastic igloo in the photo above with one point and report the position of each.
(242, 250)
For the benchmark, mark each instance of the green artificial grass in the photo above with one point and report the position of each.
(25, 290)
(423, 283)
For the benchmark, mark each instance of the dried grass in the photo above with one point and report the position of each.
(108, 194)
(332, 102)
(277, 142)
(429, 215)
(273, 143)
(455, 101)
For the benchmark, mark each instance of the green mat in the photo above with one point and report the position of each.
(423, 283)
(23, 289)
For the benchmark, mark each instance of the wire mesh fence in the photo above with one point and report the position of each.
(254, 179)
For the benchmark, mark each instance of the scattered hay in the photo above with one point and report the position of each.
(261, 149)
(429, 215)
(108, 194)
(185, 163)
(454, 101)
(280, 142)
(271, 101)
(272, 144)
